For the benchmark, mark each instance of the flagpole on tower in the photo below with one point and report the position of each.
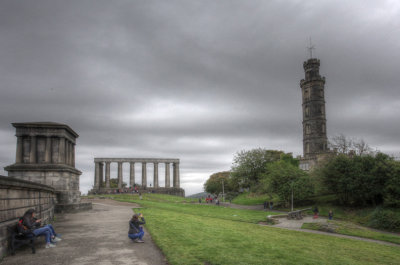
(310, 48)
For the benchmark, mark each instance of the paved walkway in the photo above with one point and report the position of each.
(96, 237)
(296, 225)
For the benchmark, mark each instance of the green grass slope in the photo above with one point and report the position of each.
(189, 233)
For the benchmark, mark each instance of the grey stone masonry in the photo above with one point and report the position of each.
(167, 175)
(119, 175)
(16, 197)
(314, 122)
(107, 174)
(131, 173)
(155, 175)
(143, 161)
(45, 154)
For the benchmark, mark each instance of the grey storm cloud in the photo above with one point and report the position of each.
(196, 80)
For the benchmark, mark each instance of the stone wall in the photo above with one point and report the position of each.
(17, 196)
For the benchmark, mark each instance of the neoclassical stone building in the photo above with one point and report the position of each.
(46, 154)
(103, 174)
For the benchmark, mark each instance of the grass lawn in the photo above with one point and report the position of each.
(190, 233)
(350, 229)
(205, 210)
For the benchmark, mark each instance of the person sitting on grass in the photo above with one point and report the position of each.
(33, 225)
(136, 232)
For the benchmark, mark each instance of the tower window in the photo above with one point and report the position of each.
(306, 94)
(308, 129)
(307, 111)
(320, 109)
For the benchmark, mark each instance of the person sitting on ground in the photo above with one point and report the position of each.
(136, 232)
(33, 225)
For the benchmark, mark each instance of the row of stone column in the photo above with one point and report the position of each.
(100, 181)
(45, 149)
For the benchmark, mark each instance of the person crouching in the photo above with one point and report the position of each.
(136, 232)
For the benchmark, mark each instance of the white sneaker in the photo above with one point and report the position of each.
(56, 239)
(50, 245)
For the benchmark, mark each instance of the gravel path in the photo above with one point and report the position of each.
(93, 237)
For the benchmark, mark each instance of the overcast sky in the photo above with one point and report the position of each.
(195, 80)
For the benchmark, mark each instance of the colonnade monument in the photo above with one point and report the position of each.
(102, 183)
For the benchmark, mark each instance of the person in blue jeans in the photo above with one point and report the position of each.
(136, 232)
(33, 225)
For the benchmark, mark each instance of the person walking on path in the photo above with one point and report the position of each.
(330, 214)
(265, 205)
(271, 204)
(136, 232)
(316, 212)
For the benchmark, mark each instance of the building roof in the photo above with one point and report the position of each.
(45, 124)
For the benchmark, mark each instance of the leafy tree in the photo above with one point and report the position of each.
(392, 187)
(358, 180)
(249, 166)
(114, 184)
(283, 176)
(214, 184)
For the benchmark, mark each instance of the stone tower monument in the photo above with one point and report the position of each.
(315, 142)
(46, 154)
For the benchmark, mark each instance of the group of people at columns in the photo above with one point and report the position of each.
(103, 172)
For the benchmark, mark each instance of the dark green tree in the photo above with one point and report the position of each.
(392, 187)
(358, 180)
(214, 184)
(114, 184)
(283, 177)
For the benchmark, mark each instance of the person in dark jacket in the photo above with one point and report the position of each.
(316, 212)
(330, 214)
(33, 225)
(136, 232)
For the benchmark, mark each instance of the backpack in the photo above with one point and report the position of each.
(21, 228)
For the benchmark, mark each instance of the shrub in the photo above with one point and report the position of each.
(387, 219)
